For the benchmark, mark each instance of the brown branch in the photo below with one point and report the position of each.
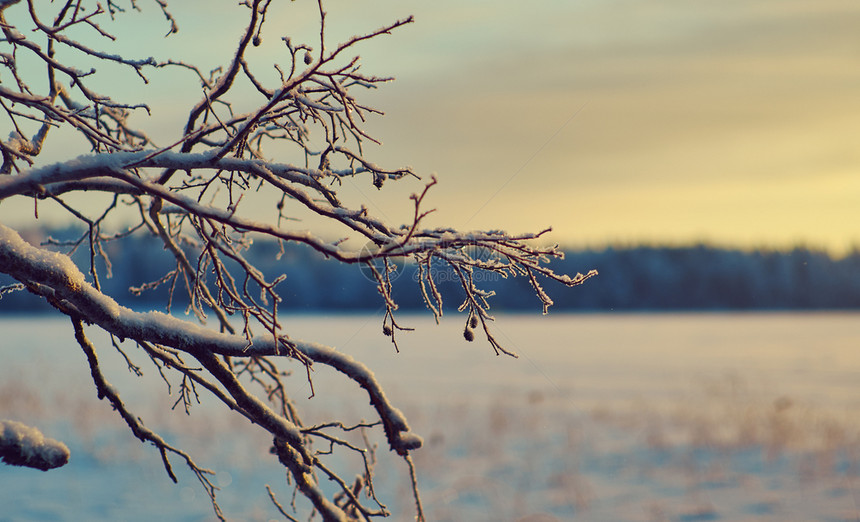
(106, 391)
(310, 110)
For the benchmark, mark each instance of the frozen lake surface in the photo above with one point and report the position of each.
(645, 417)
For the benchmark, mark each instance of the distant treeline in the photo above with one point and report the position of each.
(631, 278)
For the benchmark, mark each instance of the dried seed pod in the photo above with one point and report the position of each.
(469, 335)
(308, 58)
(386, 330)
(473, 321)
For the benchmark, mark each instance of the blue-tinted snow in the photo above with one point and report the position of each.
(629, 417)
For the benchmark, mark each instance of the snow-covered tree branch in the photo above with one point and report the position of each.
(22, 445)
(293, 137)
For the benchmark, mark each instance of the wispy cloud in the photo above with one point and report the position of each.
(757, 98)
(694, 111)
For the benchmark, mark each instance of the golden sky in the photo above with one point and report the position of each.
(735, 122)
(728, 121)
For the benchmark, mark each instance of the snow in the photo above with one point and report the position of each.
(400, 437)
(39, 260)
(82, 167)
(22, 445)
(579, 278)
(304, 100)
(606, 417)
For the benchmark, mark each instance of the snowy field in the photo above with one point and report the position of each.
(603, 417)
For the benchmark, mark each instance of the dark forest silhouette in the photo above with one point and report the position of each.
(635, 278)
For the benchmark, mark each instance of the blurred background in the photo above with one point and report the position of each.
(701, 155)
(729, 123)
(698, 154)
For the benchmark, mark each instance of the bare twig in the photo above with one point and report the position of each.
(198, 198)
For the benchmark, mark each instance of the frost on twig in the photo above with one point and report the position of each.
(291, 137)
(22, 445)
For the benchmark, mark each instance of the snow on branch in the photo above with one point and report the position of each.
(22, 445)
(56, 277)
(298, 135)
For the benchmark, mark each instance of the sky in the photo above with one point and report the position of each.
(614, 121)
(733, 122)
